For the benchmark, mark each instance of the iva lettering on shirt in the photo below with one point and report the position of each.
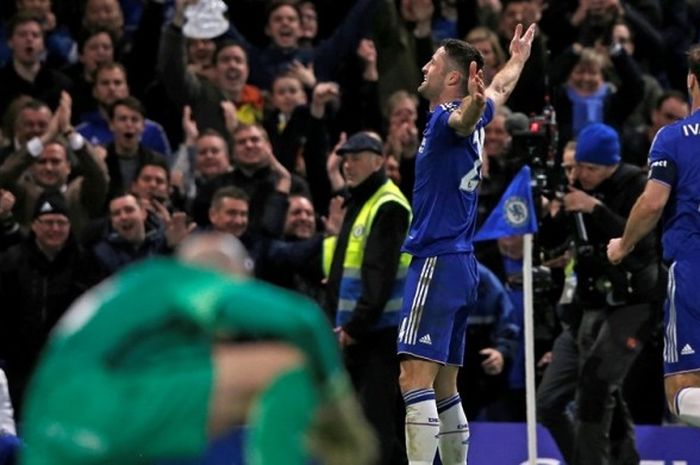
(691, 129)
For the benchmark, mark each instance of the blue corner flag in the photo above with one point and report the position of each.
(515, 213)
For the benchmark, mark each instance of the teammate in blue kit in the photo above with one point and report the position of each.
(673, 191)
(442, 278)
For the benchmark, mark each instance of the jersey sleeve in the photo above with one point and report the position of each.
(442, 121)
(662, 163)
(661, 146)
(663, 171)
(487, 115)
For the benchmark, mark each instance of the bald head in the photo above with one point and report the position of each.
(218, 251)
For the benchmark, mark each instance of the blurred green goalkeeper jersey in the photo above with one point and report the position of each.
(127, 375)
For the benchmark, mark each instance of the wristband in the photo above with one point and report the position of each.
(76, 141)
(35, 147)
(615, 49)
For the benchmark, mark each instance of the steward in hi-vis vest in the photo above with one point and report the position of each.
(366, 272)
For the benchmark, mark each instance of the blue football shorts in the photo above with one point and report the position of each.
(438, 293)
(682, 317)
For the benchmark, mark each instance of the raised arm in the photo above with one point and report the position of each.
(505, 80)
(95, 181)
(181, 84)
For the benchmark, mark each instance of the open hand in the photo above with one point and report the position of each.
(476, 86)
(521, 44)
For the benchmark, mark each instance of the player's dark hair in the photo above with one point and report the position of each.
(460, 54)
(694, 61)
(669, 94)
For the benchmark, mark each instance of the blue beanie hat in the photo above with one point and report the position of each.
(598, 144)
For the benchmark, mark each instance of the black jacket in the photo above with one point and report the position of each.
(639, 272)
(113, 253)
(260, 187)
(35, 292)
(117, 183)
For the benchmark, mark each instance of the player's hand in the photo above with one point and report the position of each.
(476, 86)
(340, 434)
(521, 44)
(617, 251)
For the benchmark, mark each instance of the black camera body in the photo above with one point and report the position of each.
(537, 146)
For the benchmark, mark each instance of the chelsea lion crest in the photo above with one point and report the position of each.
(516, 212)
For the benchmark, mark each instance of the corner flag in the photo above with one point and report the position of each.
(515, 215)
(515, 212)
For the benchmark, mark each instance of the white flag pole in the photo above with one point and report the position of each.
(529, 352)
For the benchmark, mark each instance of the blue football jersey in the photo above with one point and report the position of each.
(678, 144)
(448, 172)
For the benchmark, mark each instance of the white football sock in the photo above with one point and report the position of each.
(688, 405)
(453, 441)
(422, 426)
